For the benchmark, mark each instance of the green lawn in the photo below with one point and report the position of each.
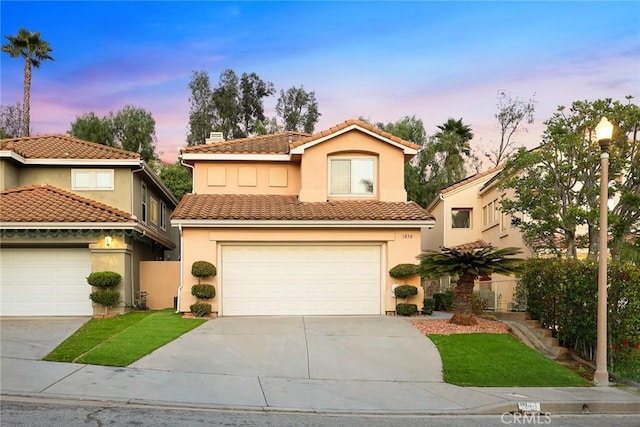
(499, 360)
(121, 340)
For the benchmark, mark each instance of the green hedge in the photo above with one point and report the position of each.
(406, 309)
(405, 291)
(429, 305)
(200, 309)
(106, 297)
(203, 291)
(404, 270)
(203, 269)
(563, 295)
(104, 279)
(444, 301)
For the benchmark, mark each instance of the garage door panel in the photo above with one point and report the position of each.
(299, 280)
(45, 282)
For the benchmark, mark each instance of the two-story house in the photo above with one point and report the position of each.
(69, 207)
(300, 224)
(468, 211)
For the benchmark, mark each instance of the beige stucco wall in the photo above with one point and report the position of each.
(236, 177)
(389, 170)
(399, 246)
(160, 279)
(8, 175)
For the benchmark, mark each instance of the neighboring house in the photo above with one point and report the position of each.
(300, 224)
(468, 211)
(69, 207)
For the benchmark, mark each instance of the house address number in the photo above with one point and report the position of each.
(407, 236)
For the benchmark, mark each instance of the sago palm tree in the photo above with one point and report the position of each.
(34, 50)
(468, 262)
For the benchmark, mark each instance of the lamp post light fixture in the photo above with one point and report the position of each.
(604, 134)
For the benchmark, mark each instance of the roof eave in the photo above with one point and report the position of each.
(429, 223)
(236, 156)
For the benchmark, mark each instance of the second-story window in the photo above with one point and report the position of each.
(352, 176)
(153, 205)
(92, 179)
(461, 218)
(143, 199)
(163, 216)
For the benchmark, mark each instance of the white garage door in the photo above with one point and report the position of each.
(300, 280)
(45, 282)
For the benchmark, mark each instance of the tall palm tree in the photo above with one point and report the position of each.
(468, 262)
(34, 50)
(456, 127)
(452, 140)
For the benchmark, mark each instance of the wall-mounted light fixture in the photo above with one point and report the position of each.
(108, 240)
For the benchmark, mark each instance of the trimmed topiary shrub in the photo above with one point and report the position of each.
(203, 291)
(404, 270)
(406, 309)
(201, 269)
(106, 297)
(104, 279)
(405, 291)
(429, 305)
(200, 309)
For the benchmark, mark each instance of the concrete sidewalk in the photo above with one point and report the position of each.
(329, 365)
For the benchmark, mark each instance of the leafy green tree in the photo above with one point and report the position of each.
(135, 130)
(468, 262)
(298, 109)
(513, 114)
(92, 128)
(557, 185)
(35, 51)
(132, 129)
(177, 178)
(201, 113)
(252, 91)
(11, 121)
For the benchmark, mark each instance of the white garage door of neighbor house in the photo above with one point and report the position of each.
(300, 280)
(45, 282)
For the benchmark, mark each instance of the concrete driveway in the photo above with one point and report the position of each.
(32, 338)
(374, 348)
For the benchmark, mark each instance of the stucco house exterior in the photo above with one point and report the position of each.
(300, 224)
(468, 211)
(70, 207)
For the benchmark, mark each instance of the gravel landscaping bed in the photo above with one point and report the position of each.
(443, 327)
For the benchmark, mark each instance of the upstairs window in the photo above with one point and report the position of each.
(163, 216)
(153, 205)
(461, 218)
(92, 179)
(352, 176)
(143, 205)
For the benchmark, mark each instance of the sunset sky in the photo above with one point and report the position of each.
(378, 60)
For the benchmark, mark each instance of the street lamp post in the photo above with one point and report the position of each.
(604, 134)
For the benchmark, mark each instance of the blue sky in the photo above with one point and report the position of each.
(378, 60)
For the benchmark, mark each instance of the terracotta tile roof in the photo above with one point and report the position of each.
(466, 247)
(45, 203)
(282, 143)
(63, 147)
(471, 178)
(288, 208)
(266, 144)
(361, 124)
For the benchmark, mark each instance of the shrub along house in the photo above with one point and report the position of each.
(300, 224)
(68, 208)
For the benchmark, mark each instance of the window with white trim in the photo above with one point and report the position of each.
(491, 213)
(163, 216)
(143, 199)
(461, 218)
(352, 176)
(92, 179)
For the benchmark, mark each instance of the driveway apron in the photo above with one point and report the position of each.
(371, 348)
(32, 338)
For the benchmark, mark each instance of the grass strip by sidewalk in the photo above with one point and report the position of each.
(499, 360)
(121, 340)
